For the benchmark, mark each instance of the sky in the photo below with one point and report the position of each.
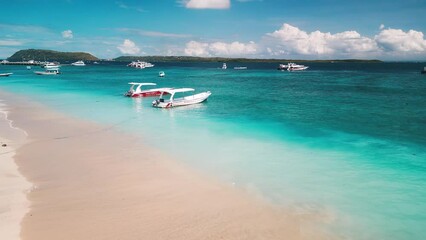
(303, 29)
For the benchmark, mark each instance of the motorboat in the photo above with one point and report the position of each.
(29, 67)
(51, 65)
(181, 101)
(224, 66)
(424, 70)
(292, 67)
(136, 90)
(50, 71)
(161, 74)
(140, 64)
(5, 74)
(240, 68)
(78, 63)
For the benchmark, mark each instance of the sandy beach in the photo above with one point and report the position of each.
(95, 182)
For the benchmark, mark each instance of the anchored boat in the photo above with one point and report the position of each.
(181, 101)
(136, 90)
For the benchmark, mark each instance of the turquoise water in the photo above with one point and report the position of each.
(344, 140)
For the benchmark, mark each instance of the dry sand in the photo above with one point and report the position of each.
(94, 182)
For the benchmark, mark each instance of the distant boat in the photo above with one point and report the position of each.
(29, 67)
(95, 63)
(224, 66)
(138, 92)
(50, 71)
(161, 74)
(292, 67)
(78, 63)
(182, 101)
(424, 70)
(5, 74)
(140, 64)
(51, 65)
(240, 68)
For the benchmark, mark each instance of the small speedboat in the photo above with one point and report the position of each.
(52, 71)
(5, 74)
(138, 92)
(78, 63)
(28, 67)
(424, 70)
(161, 74)
(292, 67)
(240, 68)
(181, 101)
(224, 66)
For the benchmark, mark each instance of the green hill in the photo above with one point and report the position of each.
(221, 59)
(49, 55)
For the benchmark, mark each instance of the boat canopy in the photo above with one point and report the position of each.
(142, 84)
(177, 90)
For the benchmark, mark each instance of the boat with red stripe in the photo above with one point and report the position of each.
(136, 90)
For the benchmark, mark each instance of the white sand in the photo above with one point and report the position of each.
(13, 186)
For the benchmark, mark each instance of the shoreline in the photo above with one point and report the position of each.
(94, 182)
(14, 204)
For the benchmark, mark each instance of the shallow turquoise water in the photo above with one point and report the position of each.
(346, 140)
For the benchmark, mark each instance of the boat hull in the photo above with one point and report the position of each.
(5, 74)
(189, 100)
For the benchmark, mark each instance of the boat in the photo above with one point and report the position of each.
(224, 66)
(424, 70)
(95, 63)
(138, 92)
(240, 68)
(29, 67)
(78, 63)
(161, 74)
(292, 67)
(181, 101)
(5, 74)
(140, 64)
(50, 71)
(51, 65)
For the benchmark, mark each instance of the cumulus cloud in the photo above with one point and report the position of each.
(396, 40)
(10, 43)
(67, 34)
(291, 40)
(128, 47)
(194, 48)
(207, 4)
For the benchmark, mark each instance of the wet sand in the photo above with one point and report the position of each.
(95, 182)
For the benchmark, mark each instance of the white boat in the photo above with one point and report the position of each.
(140, 64)
(424, 70)
(78, 63)
(161, 74)
(240, 68)
(5, 74)
(29, 67)
(224, 66)
(51, 65)
(181, 101)
(138, 92)
(50, 71)
(292, 67)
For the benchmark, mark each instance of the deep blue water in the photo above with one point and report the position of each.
(344, 140)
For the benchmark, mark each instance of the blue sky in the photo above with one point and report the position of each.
(302, 29)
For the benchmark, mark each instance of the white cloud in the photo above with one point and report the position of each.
(67, 34)
(194, 48)
(396, 40)
(290, 40)
(207, 4)
(128, 47)
(10, 43)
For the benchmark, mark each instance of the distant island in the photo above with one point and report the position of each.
(49, 55)
(221, 59)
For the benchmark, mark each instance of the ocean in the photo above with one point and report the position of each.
(346, 141)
